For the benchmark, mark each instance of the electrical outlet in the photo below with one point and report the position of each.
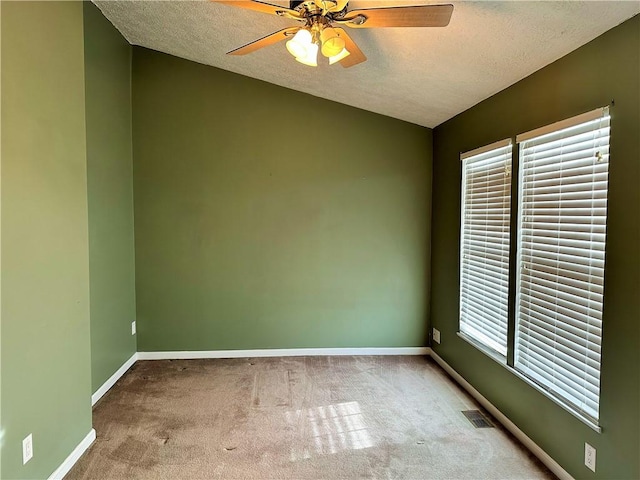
(27, 448)
(436, 335)
(590, 457)
(133, 327)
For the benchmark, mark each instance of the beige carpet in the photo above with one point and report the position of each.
(296, 418)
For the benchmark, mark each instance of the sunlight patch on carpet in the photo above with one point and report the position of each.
(330, 429)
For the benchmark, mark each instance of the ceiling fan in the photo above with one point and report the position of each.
(322, 29)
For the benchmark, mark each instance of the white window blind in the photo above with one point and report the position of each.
(484, 244)
(561, 247)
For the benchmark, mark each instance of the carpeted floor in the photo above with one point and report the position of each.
(296, 418)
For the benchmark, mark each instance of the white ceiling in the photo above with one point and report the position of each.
(421, 75)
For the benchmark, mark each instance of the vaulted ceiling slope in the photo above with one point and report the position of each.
(421, 75)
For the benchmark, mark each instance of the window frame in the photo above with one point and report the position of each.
(562, 394)
(508, 362)
(483, 339)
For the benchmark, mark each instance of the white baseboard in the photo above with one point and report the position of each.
(544, 457)
(104, 388)
(283, 352)
(73, 457)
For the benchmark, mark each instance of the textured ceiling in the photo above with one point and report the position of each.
(421, 75)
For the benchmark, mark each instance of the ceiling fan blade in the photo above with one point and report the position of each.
(418, 16)
(263, 7)
(355, 54)
(265, 41)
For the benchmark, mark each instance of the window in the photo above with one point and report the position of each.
(551, 336)
(484, 252)
(561, 245)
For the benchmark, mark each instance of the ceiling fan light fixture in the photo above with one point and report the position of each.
(311, 56)
(332, 43)
(336, 58)
(323, 21)
(299, 45)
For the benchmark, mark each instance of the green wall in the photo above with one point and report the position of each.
(107, 57)
(605, 69)
(45, 270)
(1, 423)
(268, 218)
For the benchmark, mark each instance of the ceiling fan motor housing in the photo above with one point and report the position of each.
(334, 6)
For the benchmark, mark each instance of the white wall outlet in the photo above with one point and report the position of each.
(133, 327)
(27, 448)
(590, 457)
(436, 335)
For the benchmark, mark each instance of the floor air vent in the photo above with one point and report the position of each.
(478, 419)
